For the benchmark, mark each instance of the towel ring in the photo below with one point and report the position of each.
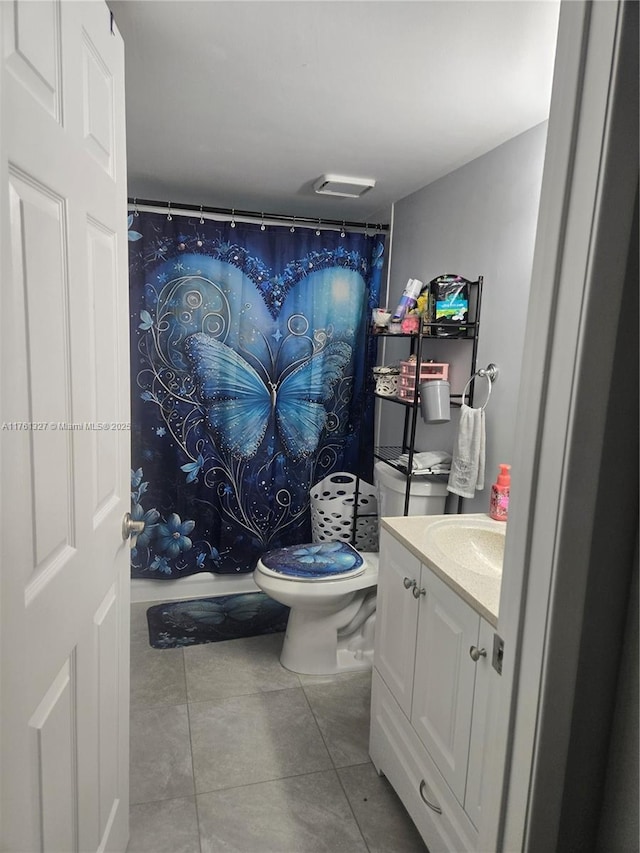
(490, 373)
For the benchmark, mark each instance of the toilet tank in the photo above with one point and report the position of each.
(427, 497)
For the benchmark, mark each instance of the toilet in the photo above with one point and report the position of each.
(331, 588)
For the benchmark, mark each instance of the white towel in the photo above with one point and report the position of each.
(467, 467)
(428, 462)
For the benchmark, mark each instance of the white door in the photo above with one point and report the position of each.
(445, 678)
(557, 528)
(396, 619)
(65, 438)
(480, 742)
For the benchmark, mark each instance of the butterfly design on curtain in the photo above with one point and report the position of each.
(240, 404)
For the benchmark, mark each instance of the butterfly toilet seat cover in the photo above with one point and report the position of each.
(324, 561)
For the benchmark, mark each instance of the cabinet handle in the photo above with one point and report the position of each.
(436, 808)
(477, 653)
(408, 583)
(418, 592)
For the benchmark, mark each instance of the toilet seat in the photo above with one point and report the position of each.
(313, 562)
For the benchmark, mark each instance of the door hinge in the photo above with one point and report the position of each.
(498, 653)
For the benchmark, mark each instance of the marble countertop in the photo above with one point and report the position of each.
(481, 592)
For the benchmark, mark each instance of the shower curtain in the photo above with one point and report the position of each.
(248, 372)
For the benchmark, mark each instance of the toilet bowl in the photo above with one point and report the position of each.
(330, 589)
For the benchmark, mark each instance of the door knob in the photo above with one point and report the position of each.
(131, 527)
(477, 653)
(408, 583)
(416, 592)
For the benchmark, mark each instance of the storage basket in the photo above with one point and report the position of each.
(332, 504)
(428, 370)
(386, 379)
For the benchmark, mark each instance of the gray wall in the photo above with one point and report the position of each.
(479, 220)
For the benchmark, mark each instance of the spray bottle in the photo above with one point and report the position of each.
(407, 300)
(499, 503)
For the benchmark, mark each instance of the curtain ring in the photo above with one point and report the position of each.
(263, 227)
(318, 232)
(342, 229)
(136, 212)
(169, 216)
(201, 216)
(232, 224)
(293, 226)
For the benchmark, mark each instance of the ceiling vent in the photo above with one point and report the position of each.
(338, 185)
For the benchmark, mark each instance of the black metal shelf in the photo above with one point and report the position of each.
(454, 399)
(469, 331)
(391, 453)
(375, 332)
(391, 399)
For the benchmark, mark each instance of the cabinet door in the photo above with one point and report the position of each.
(396, 619)
(444, 679)
(486, 687)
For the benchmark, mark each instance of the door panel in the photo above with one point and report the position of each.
(54, 757)
(102, 262)
(445, 676)
(396, 619)
(487, 686)
(106, 622)
(39, 249)
(65, 437)
(98, 105)
(32, 50)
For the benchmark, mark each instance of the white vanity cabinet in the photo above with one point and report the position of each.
(428, 697)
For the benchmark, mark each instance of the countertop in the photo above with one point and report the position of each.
(482, 593)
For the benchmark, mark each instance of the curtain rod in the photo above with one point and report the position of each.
(257, 215)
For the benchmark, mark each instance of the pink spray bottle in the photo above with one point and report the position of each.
(499, 503)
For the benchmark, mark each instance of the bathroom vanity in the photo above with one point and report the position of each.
(438, 595)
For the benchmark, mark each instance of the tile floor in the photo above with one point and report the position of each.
(231, 753)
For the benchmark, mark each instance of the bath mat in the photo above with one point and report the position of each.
(210, 620)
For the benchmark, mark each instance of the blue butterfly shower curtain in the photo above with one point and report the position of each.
(248, 371)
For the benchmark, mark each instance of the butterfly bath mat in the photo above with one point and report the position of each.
(210, 620)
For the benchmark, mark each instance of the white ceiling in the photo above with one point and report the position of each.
(243, 104)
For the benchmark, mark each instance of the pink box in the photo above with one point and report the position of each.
(428, 370)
